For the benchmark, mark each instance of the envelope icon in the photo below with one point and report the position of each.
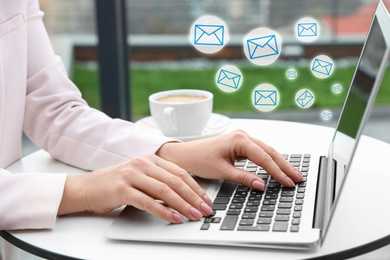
(262, 47)
(305, 98)
(325, 115)
(229, 79)
(307, 29)
(322, 67)
(209, 34)
(337, 89)
(266, 97)
(291, 74)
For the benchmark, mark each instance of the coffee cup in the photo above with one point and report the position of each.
(181, 112)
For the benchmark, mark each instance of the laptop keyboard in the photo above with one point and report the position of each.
(277, 209)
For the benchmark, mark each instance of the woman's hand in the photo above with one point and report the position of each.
(139, 182)
(214, 158)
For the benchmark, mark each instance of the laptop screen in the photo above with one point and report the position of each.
(360, 98)
(357, 100)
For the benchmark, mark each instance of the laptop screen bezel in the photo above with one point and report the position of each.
(330, 202)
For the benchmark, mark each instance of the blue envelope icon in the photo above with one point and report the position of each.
(262, 47)
(307, 29)
(208, 34)
(322, 67)
(325, 115)
(336, 89)
(291, 74)
(266, 97)
(229, 79)
(305, 98)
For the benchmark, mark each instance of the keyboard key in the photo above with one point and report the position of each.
(295, 159)
(283, 212)
(266, 214)
(268, 208)
(253, 228)
(249, 215)
(285, 205)
(251, 209)
(219, 207)
(236, 206)
(298, 208)
(253, 203)
(300, 196)
(246, 222)
(282, 218)
(205, 226)
(221, 200)
(264, 221)
(280, 226)
(294, 228)
(229, 223)
(216, 220)
(238, 200)
(286, 199)
(296, 221)
(208, 220)
(297, 214)
(288, 193)
(227, 189)
(298, 202)
(269, 202)
(296, 155)
(301, 190)
(235, 212)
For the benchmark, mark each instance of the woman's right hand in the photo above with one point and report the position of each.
(140, 183)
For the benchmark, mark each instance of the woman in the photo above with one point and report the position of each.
(128, 167)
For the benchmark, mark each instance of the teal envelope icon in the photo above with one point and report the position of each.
(266, 97)
(229, 79)
(322, 67)
(305, 98)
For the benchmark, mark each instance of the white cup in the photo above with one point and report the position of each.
(181, 118)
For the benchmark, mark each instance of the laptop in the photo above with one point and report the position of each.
(280, 217)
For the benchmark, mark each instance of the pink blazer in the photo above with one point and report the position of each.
(36, 96)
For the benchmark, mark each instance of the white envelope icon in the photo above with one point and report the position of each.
(325, 115)
(229, 79)
(266, 98)
(262, 47)
(307, 29)
(322, 67)
(209, 35)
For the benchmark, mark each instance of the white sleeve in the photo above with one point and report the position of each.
(29, 200)
(60, 121)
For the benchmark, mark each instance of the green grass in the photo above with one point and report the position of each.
(147, 81)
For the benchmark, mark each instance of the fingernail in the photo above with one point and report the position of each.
(299, 173)
(206, 208)
(290, 182)
(196, 213)
(258, 185)
(207, 200)
(178, 217)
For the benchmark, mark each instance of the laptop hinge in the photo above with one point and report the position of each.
(320, 195)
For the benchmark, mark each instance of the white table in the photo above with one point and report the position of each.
(358, 227)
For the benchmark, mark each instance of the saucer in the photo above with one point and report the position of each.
(217, 124)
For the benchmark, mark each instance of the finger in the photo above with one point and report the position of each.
(179, 186)
(162, 191)
(144, 202)
(283, 164)
(260, 157)
(246, 178)
(185, 176)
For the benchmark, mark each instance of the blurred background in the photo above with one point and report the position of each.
(161, 56)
